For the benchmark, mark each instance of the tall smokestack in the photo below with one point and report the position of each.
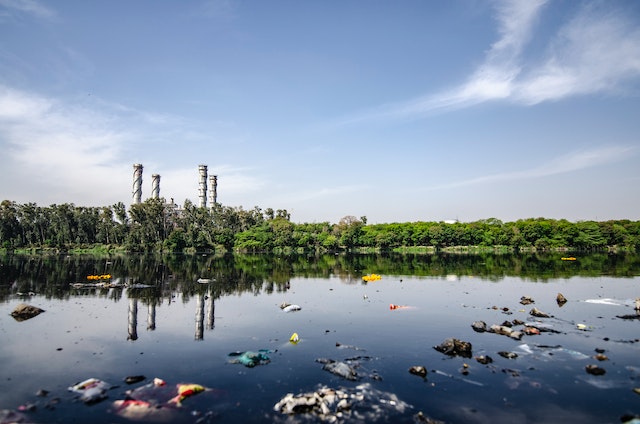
(137, 183)
(155, 186)
(213, 186)
(202, 187)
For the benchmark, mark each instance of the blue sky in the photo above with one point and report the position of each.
(397, 111)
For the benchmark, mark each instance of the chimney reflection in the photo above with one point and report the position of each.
(200, 317)
(133, 319)
(200, 306)
(210, 317)
(151, 316)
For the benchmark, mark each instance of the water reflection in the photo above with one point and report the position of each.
(133, 319)
(52, 276)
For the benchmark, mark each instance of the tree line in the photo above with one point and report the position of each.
(154, 225)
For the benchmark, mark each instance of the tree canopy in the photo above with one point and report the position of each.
(155, 225)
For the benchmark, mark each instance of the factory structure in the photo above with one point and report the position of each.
(203, 188)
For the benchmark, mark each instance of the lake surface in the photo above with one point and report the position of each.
(160, 322)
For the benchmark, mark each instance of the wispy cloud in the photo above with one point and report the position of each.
(571, 162)
(83, 153)
(58, 146)
(595, 51)
(31, 7)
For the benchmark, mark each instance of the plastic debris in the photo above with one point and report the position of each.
(132, 379)
(250, 359)
(141, 410)
(595, 370)
(538, 313)
(341, 369)
(479, 326)
(91, 390)
(418, 370)
(23, 312)
(294, 339)
(205, 280)
(556, 353)
(506, 331)
(455, 347)
(185, 391)
(561, 300)
(156, 401)
(291, 308)
(508, 355)
(601, 357)
(583, 327)
(361, 403)
(608, 301)
(484, 359)
(371, 277)
(156, 392)
(526, 300)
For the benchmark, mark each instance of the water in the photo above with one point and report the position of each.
(182, 332)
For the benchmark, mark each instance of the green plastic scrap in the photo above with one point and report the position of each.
(249, 358)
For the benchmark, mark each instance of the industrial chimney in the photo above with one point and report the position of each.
(137, 183)
(155, 186)
(202, 187)
(213, 186)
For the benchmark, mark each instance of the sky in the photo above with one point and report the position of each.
(394, 111)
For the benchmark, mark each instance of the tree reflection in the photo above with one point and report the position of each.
(52, 276)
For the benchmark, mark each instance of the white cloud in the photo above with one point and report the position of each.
(595, 52)
(598, 50)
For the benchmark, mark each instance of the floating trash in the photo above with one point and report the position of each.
(91, 390)
(506, 331)
(538, 313)
(526, 300)
(205, 280)
(291, 308)
(99, 277)
(371, 277)
(341, 369)
(156, 401)
(556, 353)
(595, 370)
(455, 347)
(132, 379)
(560, 299)
(249, 358)
(418, 370)
(361, 403)
(484, 359)
(23, 312)
(479, 326)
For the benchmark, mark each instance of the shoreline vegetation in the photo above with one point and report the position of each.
(155, 226)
